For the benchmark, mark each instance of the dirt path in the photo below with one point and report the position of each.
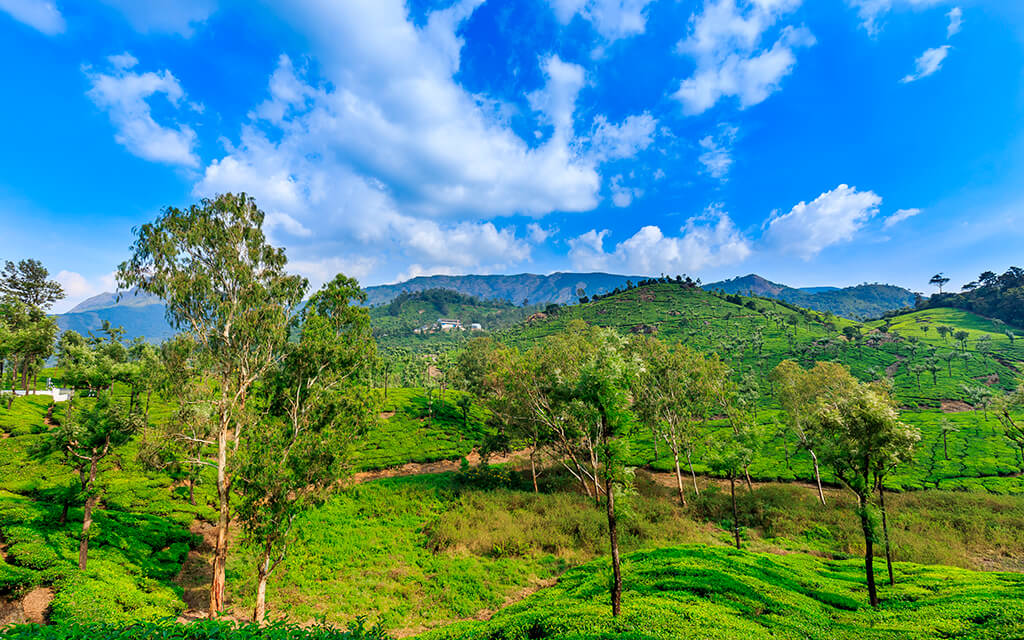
(438, 466)
(197, 572)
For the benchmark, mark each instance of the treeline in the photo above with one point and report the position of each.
(991, 295)
(682, 280)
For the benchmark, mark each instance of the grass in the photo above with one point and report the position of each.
(205, 630)
(717, 593)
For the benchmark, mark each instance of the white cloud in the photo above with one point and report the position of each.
(613, 19)
(385, 149)
(622, 196)
(725, 41)
(871, 11)
(709, 240)
(41, 15)
(833, 217)
(956, 21)
(927, 63)
(586, 251)
(539, 234)
(899, 216)
(716, 155)
(78, 288)
(165, 16)
(624, 140)
(320, 271)
(124, 95)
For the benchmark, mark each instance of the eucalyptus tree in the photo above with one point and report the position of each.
(675, 392)
(798, 391)
(84, 439)
(861, 438)
(225, 286)
(946, 427)
(731, 453)
(318, 401)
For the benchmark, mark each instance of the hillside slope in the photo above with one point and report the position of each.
(712, 593)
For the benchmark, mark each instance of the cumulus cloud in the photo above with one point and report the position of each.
(164, 16)
(899, 216)
(622, 195)
(613, 19)
(956, 21)
(616, 141)
(831, 218)
(872, 11)
(725, 41)
(385, 147)
(716, 152)
(709, 240)
(41, 15)
(124, 95)
(927, 63)
(539, 234)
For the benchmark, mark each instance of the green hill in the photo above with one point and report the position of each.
(713, 593)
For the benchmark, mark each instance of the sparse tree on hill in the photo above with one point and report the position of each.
(84, 439)
(1007, 409)
(228, 288)
(944, 331)
(938, 280)
(962, 336)
(861, 437)
(946, 427)
(731, 453)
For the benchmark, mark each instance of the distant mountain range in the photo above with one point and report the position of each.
(143, 315)
(860, 302)
(558, 287)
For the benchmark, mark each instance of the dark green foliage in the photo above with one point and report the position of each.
(204, 630)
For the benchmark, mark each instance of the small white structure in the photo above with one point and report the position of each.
(476, 326)
(448, 324)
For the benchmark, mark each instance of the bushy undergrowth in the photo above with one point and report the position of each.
(205, 630)
(716, 593)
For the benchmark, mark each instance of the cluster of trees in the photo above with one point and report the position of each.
(27, 333)
(574, 398)
(683, 280)
(272, 392)
(991, 295)
(271, 388)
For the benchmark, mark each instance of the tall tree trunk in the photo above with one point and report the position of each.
(613, 530)
(693, 474)
(533, 468)
(679, 471)
(735, 512)
(90, 502)
(817, 476)
(885, 534)
(149, 395)
(613, 537)
(220, 554)
(746, 474)
(869, 551)
(259, 613)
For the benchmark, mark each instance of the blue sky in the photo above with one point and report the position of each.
(830, 142)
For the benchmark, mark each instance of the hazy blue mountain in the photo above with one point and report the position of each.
(145, 321)
(558, 288)
(858, 302)
(130, 298)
